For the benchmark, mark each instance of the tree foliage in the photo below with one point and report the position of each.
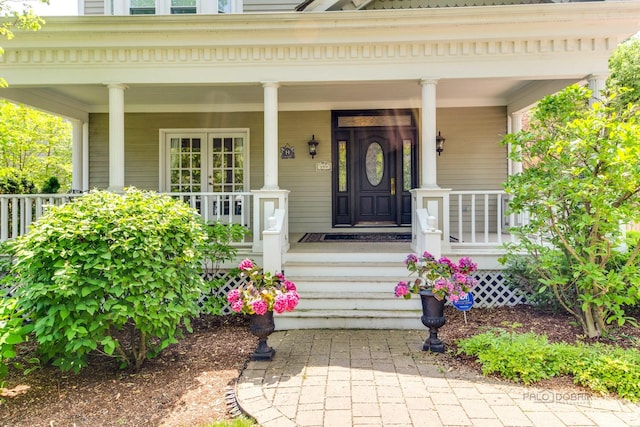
(108, 273)
(34, 144)
(12, 19)
(624, 66)
(581, 180)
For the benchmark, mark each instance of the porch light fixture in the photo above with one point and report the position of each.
(313, 146)
(439, 143)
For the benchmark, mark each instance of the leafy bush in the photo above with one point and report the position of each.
(219, 250)
(522, 276)
(13, 181)
(530, 358)
(51, 186)
(113, 273)
(13, 330)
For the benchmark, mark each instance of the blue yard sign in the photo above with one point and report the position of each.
(464, 304)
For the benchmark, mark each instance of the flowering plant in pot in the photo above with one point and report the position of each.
(261, 295)
(443, 277)
(263, 292)
(436, 281)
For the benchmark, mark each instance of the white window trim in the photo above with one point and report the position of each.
(163, 7)
(206, 133)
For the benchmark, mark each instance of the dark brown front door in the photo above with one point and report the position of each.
(374, 167)
(375, 178)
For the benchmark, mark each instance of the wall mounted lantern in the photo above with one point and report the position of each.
(313, 146)
(439, 143)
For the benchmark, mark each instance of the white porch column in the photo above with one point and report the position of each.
(428, 135)
(77, 155)
(85, 157)
(597, 84)
(116, 137)
(516, 126)
(270, 135)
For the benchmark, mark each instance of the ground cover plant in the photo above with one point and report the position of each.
(529, 358)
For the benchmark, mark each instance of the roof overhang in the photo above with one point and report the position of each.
(480, 56)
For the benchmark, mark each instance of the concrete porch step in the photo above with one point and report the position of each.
(349, 319)
(349, 290)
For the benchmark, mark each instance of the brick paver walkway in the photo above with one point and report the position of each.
(383, 378)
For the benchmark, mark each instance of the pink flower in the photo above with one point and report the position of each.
(292, 300)
(281, 303)
(280, 277)
(259, 307)
(289, 285)
(236, 306)
(467, 266)
(233, 295)
(428, 257)
(411, 258)
(401, 289)
(246, 264)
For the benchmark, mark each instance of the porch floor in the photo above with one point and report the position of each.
(347, 247)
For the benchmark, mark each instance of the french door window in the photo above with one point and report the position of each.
(207, 161)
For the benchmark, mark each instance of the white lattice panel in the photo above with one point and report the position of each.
(231, 282)
(492, 291)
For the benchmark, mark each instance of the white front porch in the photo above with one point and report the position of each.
(473, 220)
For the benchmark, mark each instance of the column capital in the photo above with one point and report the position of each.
(270, 84)
(429, 81)
(597, 76)
(115, 85)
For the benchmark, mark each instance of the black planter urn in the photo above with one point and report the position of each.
(433, 318)
(262, 326)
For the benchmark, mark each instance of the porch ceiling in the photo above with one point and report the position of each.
(292, 96)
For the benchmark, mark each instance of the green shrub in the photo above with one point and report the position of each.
(530, 358)
(13, 330)
(13, 181)
(522, 275)
(51, 186)
(219, 249)
(111, 273)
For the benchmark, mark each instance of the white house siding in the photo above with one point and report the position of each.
(94, 7)
(269, 5)
(473, 158)
(310, 197)
(142, 143)
(413, 4)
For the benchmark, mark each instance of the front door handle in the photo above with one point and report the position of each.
(393, 186)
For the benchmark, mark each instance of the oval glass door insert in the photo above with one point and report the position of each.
(374, 164)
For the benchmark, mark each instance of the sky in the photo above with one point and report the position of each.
(55, 8)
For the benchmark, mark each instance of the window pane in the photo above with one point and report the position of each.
(186, 161)
(195, 143)
(342, 166)
(224, 6)
(406, 164)
(374, 164)
(143, 3)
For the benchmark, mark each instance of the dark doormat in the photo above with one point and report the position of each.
(355, 237)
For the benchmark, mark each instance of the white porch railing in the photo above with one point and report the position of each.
(478, 218)
(19, 211)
